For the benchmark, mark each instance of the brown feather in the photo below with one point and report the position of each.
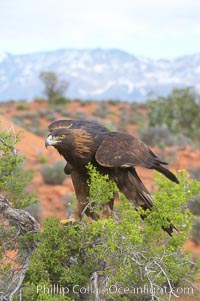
(124, 150)
(83, 142)
(58, 124)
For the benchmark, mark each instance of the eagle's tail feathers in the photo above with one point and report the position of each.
(141, 190)
(166, 172)
(146, 197)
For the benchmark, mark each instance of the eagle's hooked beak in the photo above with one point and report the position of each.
(50, 141)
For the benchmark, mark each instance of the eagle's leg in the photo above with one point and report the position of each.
(79, 211)
(82, 192)
(108, 209)
(72, 218)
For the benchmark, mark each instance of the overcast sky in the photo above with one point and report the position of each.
(152, 28)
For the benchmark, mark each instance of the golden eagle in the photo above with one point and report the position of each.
(113, 153)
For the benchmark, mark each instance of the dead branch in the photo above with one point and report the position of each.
(22, 219)
(24, 224)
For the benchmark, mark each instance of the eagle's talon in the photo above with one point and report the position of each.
(67, 221)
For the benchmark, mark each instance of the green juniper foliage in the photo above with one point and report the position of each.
(13, 247)
(131, 258)
(102, 190)
(13, 177)
(179, 111)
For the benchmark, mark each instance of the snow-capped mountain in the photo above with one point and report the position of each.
(97, 74)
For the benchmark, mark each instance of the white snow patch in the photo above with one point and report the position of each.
(103, 89)
(99, 68)
(128, 83)
(3, 56)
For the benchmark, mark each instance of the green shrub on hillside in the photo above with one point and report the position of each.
(53, 174)
(179, 112)
(101, 110)
(131, 259)
(161, 136)
(16, 245)
(61, 101)
(13, 176)
(194, 172)
(194, 205)
(196, 231)
(22, 106)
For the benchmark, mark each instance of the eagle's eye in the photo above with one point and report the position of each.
(61, 136)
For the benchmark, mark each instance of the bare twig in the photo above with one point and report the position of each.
(20, 281)
(171, 291)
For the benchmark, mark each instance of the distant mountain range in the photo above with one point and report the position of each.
(97, 74)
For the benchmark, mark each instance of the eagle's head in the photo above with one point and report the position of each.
(70, 142)
(75, 138)
(59, 137)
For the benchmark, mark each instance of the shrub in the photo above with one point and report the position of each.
(101, 110)
(195, 233)
(51, 116)
(195, 172)
(59, 109)
(114, 102)
(194, 205)
(35, 211)
(43, 113)
(22, 106)
(43, 160)
(84, 103)
(61, 101)
(39, 131)
(106, 255)
(135, 115)
(53, 174)
(16, 244)
(80, 115)
(28, 117)
(30, 122)
(55, 88)
(17, 120)
(179, 111)
(13, 176)
(67, 114)
(161, 136)
(99, 197)
(39, 100)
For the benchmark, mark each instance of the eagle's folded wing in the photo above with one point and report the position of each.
(124, 150)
